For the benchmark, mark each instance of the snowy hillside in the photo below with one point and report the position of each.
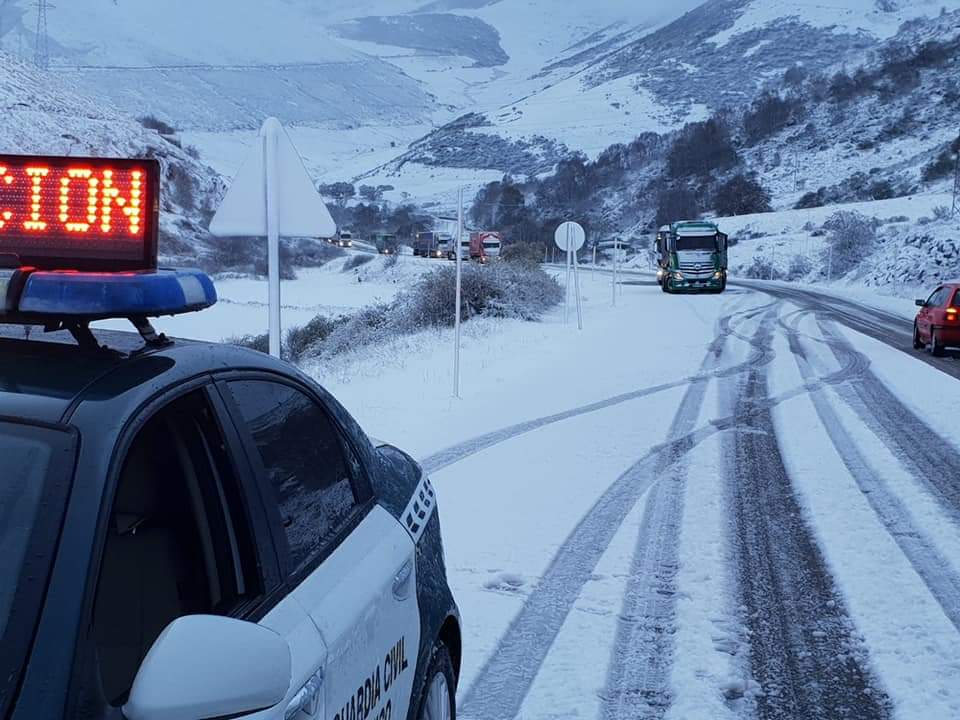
(43, 116)
(718, 55)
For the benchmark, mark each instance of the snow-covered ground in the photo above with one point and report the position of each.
(519, 505)
(328, 290)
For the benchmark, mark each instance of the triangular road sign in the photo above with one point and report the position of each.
(301, 211)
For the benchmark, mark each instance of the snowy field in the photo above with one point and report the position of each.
(698, 507)
(328, 290)
(604, 457)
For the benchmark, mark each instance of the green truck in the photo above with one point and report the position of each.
(691, 257)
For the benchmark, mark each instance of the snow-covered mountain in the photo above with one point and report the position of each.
(632, 80)
(44, 116)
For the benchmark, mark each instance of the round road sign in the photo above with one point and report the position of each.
(570, 236)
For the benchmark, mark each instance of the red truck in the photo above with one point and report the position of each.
(485, 245)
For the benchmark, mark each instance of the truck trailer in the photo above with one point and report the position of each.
(691, 257)
(485, 245)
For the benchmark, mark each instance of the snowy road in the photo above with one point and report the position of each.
(713, 507)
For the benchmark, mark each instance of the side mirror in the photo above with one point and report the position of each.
(204, 666)
(920, 303)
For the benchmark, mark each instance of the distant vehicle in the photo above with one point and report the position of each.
(385, 243)
(428, 245)
(485, 245)
(344, 239)
(938, 322)
(691, 257)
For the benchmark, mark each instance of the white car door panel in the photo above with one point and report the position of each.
(305, 698)
(363, 600)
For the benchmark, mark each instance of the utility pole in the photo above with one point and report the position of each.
(41, 51)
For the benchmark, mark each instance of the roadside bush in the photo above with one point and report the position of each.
(302, 341)
(358, 260)
(800, 267)
(260, 343)
(942, 212)
(761, 269)
(851, 237)
(502, 290)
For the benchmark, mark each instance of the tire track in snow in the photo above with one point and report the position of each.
(803, 652)
(638, 680)
(928, 456)
(938, 575)
(503, 682)
(472, 446)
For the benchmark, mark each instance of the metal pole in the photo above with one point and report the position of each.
(594, 271)
(456, 320)
(576, 281)
(271, 130)
(616, 262)
(566, 287)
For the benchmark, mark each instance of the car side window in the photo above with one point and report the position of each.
(309, 467)
(936, 300)
(956, 300)
(179, 540)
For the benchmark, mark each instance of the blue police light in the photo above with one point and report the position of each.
(152, 293)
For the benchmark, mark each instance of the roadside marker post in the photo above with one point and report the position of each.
(456, 305)
(570, 236)
(271, 197)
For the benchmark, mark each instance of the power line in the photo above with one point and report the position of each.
(41, 52)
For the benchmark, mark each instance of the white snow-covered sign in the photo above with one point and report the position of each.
(300, 211)
(570, 236)
(273, 195)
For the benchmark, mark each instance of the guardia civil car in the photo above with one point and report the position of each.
(191, 531)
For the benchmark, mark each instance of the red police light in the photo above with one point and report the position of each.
(79, 213)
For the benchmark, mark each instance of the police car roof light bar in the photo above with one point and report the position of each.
(66, 300)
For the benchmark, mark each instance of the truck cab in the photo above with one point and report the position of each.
(691, 257)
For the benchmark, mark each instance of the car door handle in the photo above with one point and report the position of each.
(401, 581)
(307, 699)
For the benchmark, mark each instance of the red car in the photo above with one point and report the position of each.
(938, 322)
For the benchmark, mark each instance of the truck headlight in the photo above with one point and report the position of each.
(718, 275)
(678, 275)
(660, 274)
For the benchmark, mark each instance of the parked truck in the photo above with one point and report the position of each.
(430, 244)
(691, 257)
(485, 245)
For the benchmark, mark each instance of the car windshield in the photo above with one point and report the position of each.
(35, 465)
(697, 242)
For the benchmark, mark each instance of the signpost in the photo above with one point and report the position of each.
(273, 196)
(456, 313)
(570, 237)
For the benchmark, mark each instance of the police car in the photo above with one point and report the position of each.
(189, 530)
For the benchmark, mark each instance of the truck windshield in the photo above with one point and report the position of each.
(37, 464)
(697, 242)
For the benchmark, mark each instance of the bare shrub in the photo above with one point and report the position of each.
(851, 237)
(358, 260)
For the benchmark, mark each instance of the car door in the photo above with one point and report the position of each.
(346, 560)
(186, 534)
(925, 316)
